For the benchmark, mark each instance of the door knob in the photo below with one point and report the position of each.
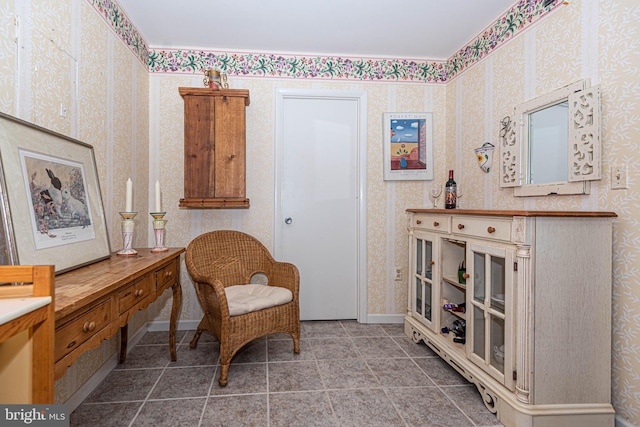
(288, 220)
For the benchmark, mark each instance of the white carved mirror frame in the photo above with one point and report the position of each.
(583, 144)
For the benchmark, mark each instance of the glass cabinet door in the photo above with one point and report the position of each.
(489, 332)
(422, 274)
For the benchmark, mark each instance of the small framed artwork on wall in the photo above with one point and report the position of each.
(408, 146)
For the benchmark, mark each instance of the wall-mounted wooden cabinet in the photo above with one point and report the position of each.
(214, 148)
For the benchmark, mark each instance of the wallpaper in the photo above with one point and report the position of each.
(617, 65)
(115, 16)
(8, 58)
(85, 58)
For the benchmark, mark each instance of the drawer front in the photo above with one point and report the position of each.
(486, 228)
(133, 294)
(440, 223)
(167, 276)
(71, 335)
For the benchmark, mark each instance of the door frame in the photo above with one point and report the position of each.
(361, 98)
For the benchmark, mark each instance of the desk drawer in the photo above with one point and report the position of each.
(486, 228)
(167, 276)
(133, 294)
(440, 223)
(71, 335)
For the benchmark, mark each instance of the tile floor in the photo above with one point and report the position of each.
(347, 374)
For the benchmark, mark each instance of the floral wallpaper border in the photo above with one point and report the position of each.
(283, 66)
(516, 19)
(117, 19)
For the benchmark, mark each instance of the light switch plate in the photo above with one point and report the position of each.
(619, 177)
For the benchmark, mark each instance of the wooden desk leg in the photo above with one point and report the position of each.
(124, 337)
(176, 307)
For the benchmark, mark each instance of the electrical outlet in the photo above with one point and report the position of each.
(398, 274)
(619, 177)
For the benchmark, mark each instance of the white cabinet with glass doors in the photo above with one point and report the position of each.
(490, 310)
(424, 249)
(519, 303)
(423, 252)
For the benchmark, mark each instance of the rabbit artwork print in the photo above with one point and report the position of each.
(75, 208)
(55, 191)
(58, 197)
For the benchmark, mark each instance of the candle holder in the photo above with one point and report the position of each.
(158, 231)
(127, 234)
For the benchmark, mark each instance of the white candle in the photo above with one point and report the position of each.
(158, 199)
(129, 205)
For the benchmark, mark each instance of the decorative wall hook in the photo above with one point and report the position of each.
(485, 156)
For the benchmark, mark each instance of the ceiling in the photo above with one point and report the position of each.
(412, 29)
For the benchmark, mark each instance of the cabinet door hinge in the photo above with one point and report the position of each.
(515, 266)
(515, 375)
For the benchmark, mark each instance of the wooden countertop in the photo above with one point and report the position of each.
(82, 286)
(12, 308)
(514, 212)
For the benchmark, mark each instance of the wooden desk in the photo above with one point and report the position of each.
(93, 302)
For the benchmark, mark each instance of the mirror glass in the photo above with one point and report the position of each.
(551, 144)
(548, 134)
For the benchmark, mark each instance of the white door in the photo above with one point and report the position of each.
(318, 203)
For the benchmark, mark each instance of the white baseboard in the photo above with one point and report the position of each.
(191, 325)
(87, 388)
(620, 422)
(135, 339)
(385, 318)
(163, 325)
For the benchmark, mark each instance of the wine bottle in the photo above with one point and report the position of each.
(450, 192)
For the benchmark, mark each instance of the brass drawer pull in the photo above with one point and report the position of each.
(89, 326)
(418, 222)
(460, 226)
(491, 230)
(168, 273)
(436, 224)
(139, 292)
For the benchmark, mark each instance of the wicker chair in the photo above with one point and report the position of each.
(219, 259)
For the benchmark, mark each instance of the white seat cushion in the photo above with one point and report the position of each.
(247, 298)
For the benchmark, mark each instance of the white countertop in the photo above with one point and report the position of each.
(12, 308)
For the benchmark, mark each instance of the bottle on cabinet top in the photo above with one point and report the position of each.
(450, 192)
